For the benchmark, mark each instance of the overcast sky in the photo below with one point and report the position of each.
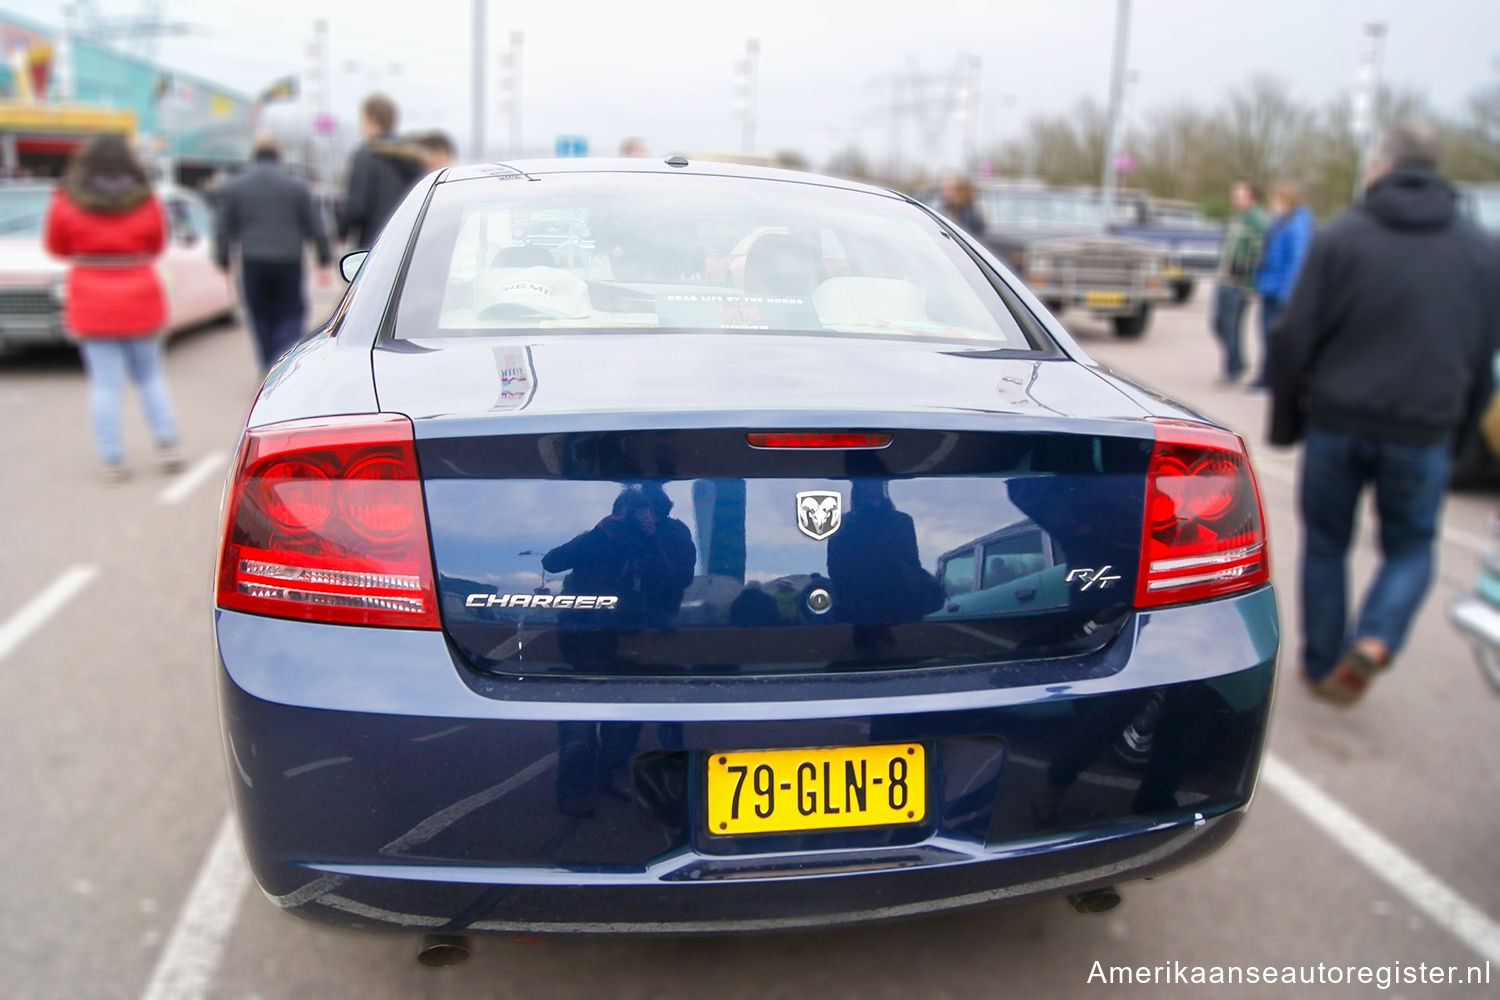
(606, 69)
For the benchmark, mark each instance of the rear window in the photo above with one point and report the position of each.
(684, 252)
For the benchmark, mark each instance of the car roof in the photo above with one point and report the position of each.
(651, 165)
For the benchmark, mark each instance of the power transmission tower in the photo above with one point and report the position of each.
(939, 106)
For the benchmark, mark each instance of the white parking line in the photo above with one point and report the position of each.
(1421, 888)
(190, 479)
(36, 611)
(191, 956)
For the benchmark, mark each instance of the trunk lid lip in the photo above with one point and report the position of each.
(438, 426)
(793, 378)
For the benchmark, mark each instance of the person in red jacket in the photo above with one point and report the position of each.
(106, 222)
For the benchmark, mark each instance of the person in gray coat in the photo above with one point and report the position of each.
(270, 215)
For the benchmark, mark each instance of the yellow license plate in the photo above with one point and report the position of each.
(1173, 273)
(1106, 300)
(821, 788)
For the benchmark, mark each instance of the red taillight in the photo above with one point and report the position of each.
(324, 521)
(1204, 534)
(818, 439)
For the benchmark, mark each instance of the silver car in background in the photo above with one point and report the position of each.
(31, 280)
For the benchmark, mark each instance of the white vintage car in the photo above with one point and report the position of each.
(31, 280)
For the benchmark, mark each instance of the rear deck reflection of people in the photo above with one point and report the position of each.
(638, 554)
(645, 558)
(875, 569)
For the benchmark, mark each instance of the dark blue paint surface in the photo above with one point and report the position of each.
(544, 770)
(430, 791)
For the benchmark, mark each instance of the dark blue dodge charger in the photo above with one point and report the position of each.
(671, 546)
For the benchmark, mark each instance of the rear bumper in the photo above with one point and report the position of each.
(379, 784)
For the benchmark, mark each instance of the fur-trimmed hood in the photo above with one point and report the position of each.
(405, 156)
(115, 194)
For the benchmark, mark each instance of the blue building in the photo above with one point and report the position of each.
(195, 122)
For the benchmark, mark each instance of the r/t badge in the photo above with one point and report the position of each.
(1101, 578)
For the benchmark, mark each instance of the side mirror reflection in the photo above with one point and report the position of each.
(350, 263)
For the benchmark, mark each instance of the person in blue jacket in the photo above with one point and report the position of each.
(1287, 238)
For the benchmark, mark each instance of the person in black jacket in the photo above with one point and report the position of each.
(270, 216)
(1380, 357)
(381, 171)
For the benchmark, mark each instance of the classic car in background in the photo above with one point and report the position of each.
(31, 280)
(1192, 241)
(1058, 241)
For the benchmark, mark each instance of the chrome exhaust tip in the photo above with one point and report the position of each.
(438, 950)
(1095, 900)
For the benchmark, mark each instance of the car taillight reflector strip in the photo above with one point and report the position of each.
(324, 521)
(818, 439)
(1204, 531)
(1195, 562)
(271, 592)
(329, 577)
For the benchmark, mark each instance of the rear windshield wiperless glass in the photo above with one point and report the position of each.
(684, 252)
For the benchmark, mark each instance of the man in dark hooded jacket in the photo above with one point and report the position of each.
(381, 171)
(1381, 357)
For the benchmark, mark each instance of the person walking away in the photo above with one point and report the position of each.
(381, 171)
(1382, 353)
(105, 220)
(270, 217)
(1238, 261)
(1287, 239)
(437, 150)
(958, 206)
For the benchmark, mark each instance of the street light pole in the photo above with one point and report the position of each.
(745, 100)
(513, 90)
(1365, 108)
(476, 80)
(1116, 100)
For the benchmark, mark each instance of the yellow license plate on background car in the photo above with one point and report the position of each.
(1107, 300)
(820, 788)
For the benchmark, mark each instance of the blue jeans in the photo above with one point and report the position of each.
(1269, 310)
(1228, 318)
(108, 362)
(274, 300)
(1410, 483)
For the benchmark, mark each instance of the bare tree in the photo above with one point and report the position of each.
(1260, 131)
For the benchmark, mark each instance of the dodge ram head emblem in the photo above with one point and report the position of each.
(819, 514)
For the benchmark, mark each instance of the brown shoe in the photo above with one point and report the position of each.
(1352, 676)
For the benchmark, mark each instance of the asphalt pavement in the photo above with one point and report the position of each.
(1372, 842)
